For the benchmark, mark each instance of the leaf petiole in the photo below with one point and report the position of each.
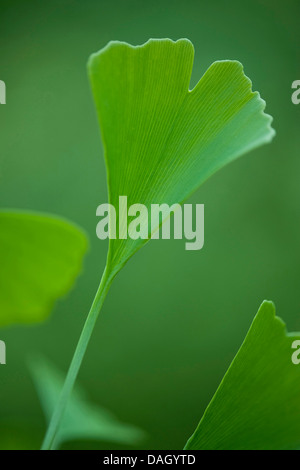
(78, 356)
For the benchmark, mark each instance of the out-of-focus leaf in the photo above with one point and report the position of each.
(161, 139)
(257, 405)
(40, 258)
(82, 420)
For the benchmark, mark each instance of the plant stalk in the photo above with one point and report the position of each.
(76, 361)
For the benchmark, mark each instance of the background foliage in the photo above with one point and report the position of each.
(174, 319)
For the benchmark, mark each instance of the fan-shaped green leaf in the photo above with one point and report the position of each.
(257, 405)
(81, 420)
(40, 257)
(161, 139)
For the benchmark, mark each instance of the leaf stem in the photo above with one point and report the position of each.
(77, 360)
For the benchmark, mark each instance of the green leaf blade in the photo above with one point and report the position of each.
(82, 419)
(162, 140)
(41, 257)
(257, 405)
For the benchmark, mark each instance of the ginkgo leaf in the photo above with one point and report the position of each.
(82, 420)
(40, 258)
(161, 139)
(257, 405)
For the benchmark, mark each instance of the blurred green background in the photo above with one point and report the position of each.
(173, 319)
